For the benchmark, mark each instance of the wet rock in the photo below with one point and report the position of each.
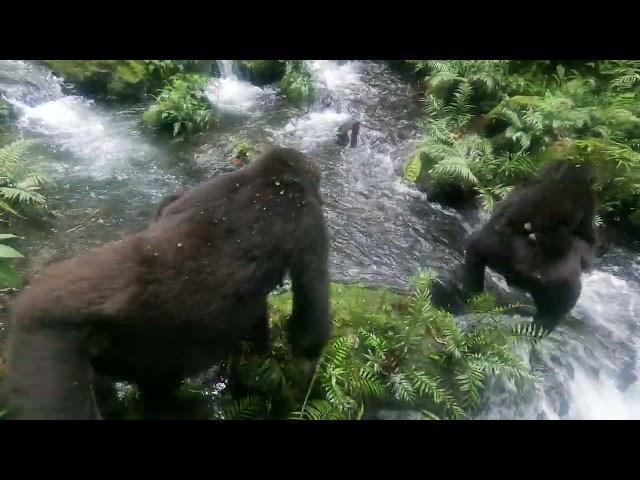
(261, 72)
(123, 79)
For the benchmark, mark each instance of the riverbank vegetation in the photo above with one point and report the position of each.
(388, 352)
(490, 125)
(21, 197)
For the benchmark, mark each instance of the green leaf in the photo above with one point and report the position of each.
(5, 236)
(8, 252)
(10, 209)
(9, 277)
(413, 167)
(429, 415)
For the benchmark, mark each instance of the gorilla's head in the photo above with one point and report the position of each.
(293, 167)
(569, 173)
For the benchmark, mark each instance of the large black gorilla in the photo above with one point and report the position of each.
(559, 209)
(173, 299)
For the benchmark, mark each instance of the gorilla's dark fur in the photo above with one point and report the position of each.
(173, 299)
(560, 209)
(552, 209)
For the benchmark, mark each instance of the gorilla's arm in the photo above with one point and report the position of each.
(51, 376)
(474, 267)
(310, 327)
(586, 227)
(166, 202)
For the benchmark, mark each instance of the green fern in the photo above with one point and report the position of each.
(318, 410)
(415, 359)
(12, 154)
(243, 409)
(19, 185)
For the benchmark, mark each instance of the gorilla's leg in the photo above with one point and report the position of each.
(50, 374)
(355, 130)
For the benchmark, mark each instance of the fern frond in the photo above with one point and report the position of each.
(456, 167)
(529, 331)
(338, 350)
(22, 196)
(243, 409)
(402, 387)
(470, 381)
(318, 410)
(12, 153)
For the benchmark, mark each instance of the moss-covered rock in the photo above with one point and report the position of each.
(123, 79)
(261, 72)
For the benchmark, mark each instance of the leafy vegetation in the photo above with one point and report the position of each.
(387, 351)
(20, 185)
(20, 194)
(9, 276)
(122, 79)
(242, 149)
(297, 83)
(489, 125)
(182, 106)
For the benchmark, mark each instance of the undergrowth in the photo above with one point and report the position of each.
(387, 351)
(489, 125)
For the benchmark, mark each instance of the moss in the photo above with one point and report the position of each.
(350, 303)
(123, 79)
(261, 72)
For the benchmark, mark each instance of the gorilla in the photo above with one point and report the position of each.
(554, 285)
(552, 209)
(343, 138)
(177, 297)
(558, 209)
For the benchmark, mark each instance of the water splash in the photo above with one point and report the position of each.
(588, 368)
(92, 142)
(232, 95)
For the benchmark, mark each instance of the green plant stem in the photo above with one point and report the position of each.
(313, 381)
